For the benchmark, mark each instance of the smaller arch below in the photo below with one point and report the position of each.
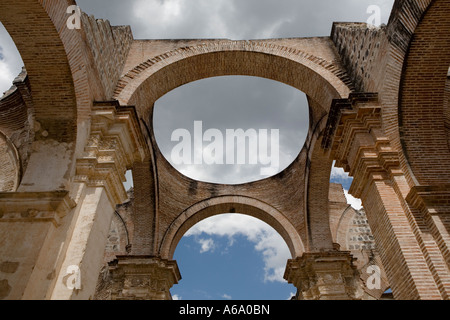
(9, 165)
(230, 204)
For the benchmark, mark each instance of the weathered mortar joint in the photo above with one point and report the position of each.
(142, 278)
(324, 276)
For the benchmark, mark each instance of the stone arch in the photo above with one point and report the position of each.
(322, 80)
(35, 25)
(421, 98)
(233, 204)
(343, 226)
(10, 169)
(319, 79)
(118, 238)
(62, 87)
(317, 182)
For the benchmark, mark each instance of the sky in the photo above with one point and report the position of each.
(229, 256)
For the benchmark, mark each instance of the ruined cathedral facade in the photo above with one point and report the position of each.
(80, 115)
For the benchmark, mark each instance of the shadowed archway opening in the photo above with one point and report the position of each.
(232, 257)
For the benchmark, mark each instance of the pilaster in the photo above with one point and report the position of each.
(28, 224)
(115, 143)
(355, 138)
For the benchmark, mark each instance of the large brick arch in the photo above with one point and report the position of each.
(238, 204)
(422, 128)
(317, 189)
(147, 82)
(38, 30)
(62, 82)
(321, 79)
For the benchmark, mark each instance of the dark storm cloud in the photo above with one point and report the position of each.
(236, 102)
(234, 19)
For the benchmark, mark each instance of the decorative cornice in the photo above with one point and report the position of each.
(355, 139)
(35, 206)
(115, 143)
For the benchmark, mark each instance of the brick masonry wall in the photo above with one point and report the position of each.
(109, 46)
(386, 69)
(421, 99)
(362, 50)
(34, 27)
(447, 107)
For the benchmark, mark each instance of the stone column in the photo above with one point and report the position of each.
(414, 262)
(142, 278)
(324, 276)
(115, 143)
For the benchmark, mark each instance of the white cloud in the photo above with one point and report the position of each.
(339, 173)
(179, 18)
(156, 12)
(6, 77)
(274, 250)
(351, 200)
(11, 62)
(226, 296)
(176, 297)
(206, 245)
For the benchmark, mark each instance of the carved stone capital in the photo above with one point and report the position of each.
(142, 278)
(115, 143)
(324, 276)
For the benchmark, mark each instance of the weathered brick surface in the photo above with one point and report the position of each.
(46, 60)
(422, 93)
(361, 49)
(109, 46)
